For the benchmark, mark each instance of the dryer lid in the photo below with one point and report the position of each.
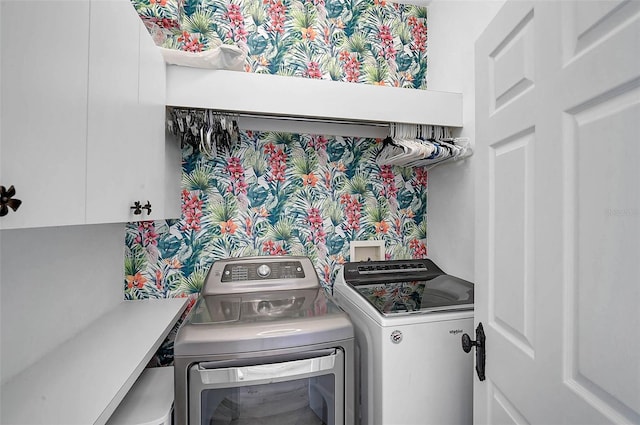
(258, 307)
(251, 322)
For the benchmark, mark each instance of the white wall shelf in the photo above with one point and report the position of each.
(86, 378)
(274, 95)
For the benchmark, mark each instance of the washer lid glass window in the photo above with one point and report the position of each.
(441, 293)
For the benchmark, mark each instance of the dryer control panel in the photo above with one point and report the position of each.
(259, 274)
(261, 271)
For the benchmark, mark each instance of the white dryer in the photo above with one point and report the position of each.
(409, 317)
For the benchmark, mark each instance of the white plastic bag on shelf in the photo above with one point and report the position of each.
(222, 57)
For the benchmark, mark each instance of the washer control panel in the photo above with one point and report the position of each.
(262, 271)
(368, 272)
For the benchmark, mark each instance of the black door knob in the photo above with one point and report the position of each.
(467, 343)
(479, 343)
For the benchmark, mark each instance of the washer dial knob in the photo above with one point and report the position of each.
(264, 270)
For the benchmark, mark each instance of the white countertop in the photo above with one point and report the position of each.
(84, 380)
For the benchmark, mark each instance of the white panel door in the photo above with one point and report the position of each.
(558, 213)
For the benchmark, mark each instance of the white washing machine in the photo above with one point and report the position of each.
(409, 317)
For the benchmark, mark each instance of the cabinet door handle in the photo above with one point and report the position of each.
(147, 207)
(7, 200)
(137, 208)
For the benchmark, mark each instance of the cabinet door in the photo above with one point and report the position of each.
(44, 110)
(116, 157)
(163, 174)
(126, 159)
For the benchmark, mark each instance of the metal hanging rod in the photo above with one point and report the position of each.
(306, 124)
(300, 118)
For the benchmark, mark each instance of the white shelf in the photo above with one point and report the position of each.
(86, 378)
(276, 95)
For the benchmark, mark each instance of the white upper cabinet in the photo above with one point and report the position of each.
(126, 149)
(163, 163)
(128, 158)
(44, 110)
(116, 144)
(83, 100)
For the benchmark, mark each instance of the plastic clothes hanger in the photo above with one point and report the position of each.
(407, 140)
(389, 151)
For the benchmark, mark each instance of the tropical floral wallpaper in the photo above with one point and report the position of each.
(278, 194)
(360, 41)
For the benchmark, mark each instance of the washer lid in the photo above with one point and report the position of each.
(441, 293)
(249, 322)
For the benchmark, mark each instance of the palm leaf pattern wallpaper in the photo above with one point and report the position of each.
(360, 41)
(278, 194)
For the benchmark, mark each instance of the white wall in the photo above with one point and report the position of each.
(53, 281)
(453, 27)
